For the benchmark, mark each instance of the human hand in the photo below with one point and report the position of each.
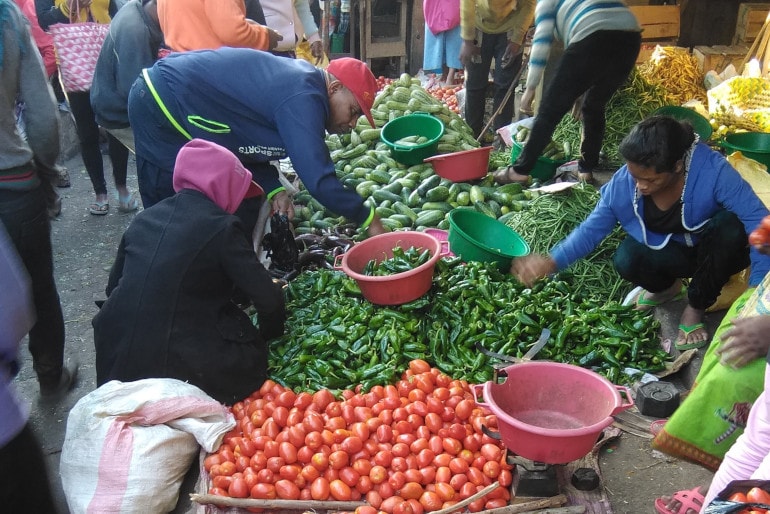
(376, 227)
(317, 51)
(510, 54)
(527, 99)
(468, 52)
(282, 204)
(275, 37)
(75, 5)
(530, 268)
(746, 340)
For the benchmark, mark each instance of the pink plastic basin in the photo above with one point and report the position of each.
(551, 412)
(391, 289)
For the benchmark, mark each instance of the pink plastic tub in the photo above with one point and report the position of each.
(551, 412)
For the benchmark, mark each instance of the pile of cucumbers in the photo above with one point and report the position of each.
(554, 150)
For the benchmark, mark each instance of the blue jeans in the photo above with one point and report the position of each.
(25, 218)
(722, 251)
(493, 46)
(597, 66)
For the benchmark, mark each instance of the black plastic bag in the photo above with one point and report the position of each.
(280, 246)
(721, 504)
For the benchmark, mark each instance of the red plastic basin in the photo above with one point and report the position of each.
(391, 289)
(552, 412)
(462, 166)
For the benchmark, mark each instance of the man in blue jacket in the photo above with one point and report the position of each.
(261, 108)
(131, 45)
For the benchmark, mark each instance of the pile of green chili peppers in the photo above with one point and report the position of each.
(335, 339)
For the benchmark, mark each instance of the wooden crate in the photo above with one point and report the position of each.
(657, 21)
(751, 17)
(645, 52)
(718, 57)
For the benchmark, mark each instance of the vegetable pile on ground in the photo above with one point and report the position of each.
(675, 70)
(405, 196)
(548, 219)
(636, 100)
(447, 95)
(335, 339)
(418, 442)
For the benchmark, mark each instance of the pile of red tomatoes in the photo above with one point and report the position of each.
(447, 95)
(413, 447)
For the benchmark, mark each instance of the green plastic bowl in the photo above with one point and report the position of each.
(417, 124)
(754, 145)
(474, 236)
(698, 122)
(544, 169)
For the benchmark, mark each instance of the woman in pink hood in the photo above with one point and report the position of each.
(169, 311)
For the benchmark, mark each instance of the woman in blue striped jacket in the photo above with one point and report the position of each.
(601, 43)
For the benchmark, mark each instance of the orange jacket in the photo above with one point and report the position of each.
(209, 24)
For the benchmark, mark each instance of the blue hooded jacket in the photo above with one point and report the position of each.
(711, 185)
(261, 108)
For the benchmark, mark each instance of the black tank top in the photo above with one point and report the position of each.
(663, 222)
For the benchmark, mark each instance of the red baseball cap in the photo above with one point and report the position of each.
(359, 79)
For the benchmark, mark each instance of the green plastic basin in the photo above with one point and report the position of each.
(474, 236)
(417, 124)
(544, 169)
(699, 123)
(754, 145)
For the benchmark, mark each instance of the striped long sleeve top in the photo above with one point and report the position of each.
(571, 21)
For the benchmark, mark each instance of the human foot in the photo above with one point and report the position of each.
(509, 176)
(692, 332)
(647, 300)
(682, 502)
(100, 207)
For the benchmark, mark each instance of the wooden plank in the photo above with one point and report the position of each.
(657, 21)
(751, 17)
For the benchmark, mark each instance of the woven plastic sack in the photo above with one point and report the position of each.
(743, 102)
(77, 49)
(129, 445)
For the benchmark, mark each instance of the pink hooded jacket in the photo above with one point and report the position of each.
(214, 171)
(43, 40)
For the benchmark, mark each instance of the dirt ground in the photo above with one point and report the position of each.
(84, 248)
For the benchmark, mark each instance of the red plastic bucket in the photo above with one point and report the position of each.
(462, 166)
(552, 412)
(391, 289)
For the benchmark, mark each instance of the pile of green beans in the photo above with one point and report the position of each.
(550, 218)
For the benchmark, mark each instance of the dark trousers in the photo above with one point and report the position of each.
(88, 135)
(493, 46)
(722, 251)
(25, 486)
(25, 217)
(597, 66)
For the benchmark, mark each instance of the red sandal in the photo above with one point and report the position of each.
(692, 499)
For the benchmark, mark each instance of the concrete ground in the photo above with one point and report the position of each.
(84, 248)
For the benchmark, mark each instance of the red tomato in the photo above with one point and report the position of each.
(757, 494)
(491, 469)
(411, 490)
(389, 504)
(286, 490)
(378, 474)
(263, 491)
(430, 501)
(238, 489)
(319, 489)
(339, 490)
(287, 452)
(491, 452)
(350, 476)
(322, 398)
(338, 459)
(365, 509)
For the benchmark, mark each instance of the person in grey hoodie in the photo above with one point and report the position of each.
(131, 45)
(23, 183)
(169, 311)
